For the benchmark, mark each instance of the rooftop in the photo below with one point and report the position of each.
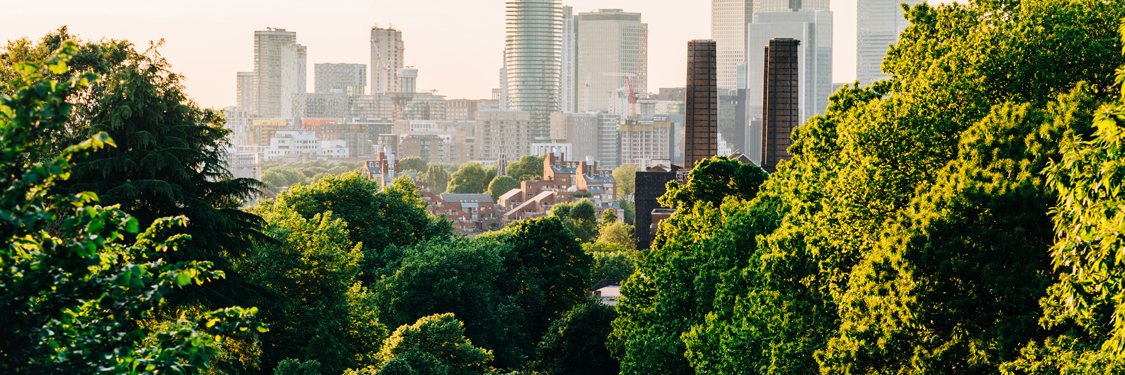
(466, 198)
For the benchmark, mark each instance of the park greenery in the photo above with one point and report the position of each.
(962, 216)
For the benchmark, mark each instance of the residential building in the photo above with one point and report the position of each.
(387, 50)
(780, 114)
(550, 148)
(502, 132)
(878, 24)
(408, 80)
(334, 149)
(461, 109)
(261, 130)
(238, 122)
(292, 143)
(244, 92)
(242, 164)
(643, 141)
(532, 61)
(330, 104)
(383, 169)
(728, 30)
(470, 213)
(813, 28)
(701, 115)
(568, 79)
(269, 47)
(351, 79)
(294, 59)
(675, 125)
(609, 139)
(434, 148)
(377, 106)
(613, 57)
(577, 129)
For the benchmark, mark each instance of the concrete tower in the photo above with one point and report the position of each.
(244, 94)
(612, 56)
(878, 24)
(782, 101)
(387, 52)
(269, 46)
(701, 117)
(533, 60)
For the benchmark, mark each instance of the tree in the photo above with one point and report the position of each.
(575, 344)
(461, 277)
(294, 367)
(413, 163)
(529, 167)
(379, 220)
(618, 233)
(609, 216)
(434, 344)
(626, 177)
(578, 217)
(437, 178)
(546, 270)
(469, 178)
(501, 185)
(73, 289)
(331, 317)
(169, 161)
(629, 208)
(616, 265)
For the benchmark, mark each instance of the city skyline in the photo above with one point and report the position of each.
(338, 32)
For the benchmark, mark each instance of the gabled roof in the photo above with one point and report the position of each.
(537, 198)
(599, 179)
(510, 194)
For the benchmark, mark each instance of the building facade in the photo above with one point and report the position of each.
(269, 47)
(814, 31)
(878, 23)
(577, 129)
(294, 76)
(643, 141)
(780, 115)
(533, 61)
(387, 50)
(568, 79)
(728, 30)
(612, 57)
(350, 79)
(244, 91)
(609, 139)
(701, 115)
(499, 132)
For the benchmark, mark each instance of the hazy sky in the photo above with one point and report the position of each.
(457, 45)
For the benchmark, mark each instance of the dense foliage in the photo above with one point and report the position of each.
(529, 167)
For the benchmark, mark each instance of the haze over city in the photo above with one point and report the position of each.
(456, 45)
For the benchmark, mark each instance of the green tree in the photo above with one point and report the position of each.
(331, 317)
(618, 233)
(379, 220)
(413, 163)
(626, 177)
(575, 343)
(617, 265)
(72, 288)
(501, 185)
(460, 277)
(546, 270)
(529, 167)
(629, 208)
(578, 217)
(469, 178)
(437, 178)
(609, 216)
(294, 367)
(434, 344)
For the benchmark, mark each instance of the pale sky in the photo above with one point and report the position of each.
(457, 45)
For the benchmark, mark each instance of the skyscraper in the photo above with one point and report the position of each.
(612, 58)
(294, 76)
(532, 60)
(728, 30)
(790, 5)
(568, 80)
(701, 117)
(269, 47)
(244, 92)
(814, 29)
(878, 23)
(351, 79)
(387, 52)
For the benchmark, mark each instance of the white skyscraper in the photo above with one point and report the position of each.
(814, 30)
(728, 30)
(387, 52)
(533, 60)
(294, 76)
(244, 92)
(878, 24)
(612, 59)
(568, 80)
(269, 47)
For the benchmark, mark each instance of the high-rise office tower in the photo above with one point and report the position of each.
(701, 115)
(294, 76)
(568, 80)
(532, 60)
(790, 5)
(781, 101)
(728, 30)
(609, 139)
(612, 58)
(386, 59)
(350, 79)
(269, 46)
(244, 92)
(878, 23)
(814, 29)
